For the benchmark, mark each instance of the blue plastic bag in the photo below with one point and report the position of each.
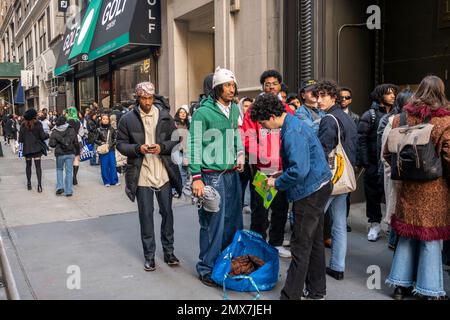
(263, 279)
(87, 151)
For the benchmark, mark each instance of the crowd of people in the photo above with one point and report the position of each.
(213, 149)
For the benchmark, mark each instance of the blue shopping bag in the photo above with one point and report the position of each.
(263, 279)
(87, 151)
(20, 150)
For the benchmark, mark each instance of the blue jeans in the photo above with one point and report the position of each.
(217, 230)
(418, 264)
(93, 160)
(338, 212)
(67, 182)
(109, 170)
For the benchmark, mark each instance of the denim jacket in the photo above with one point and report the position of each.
(311, 118)
(304, 163)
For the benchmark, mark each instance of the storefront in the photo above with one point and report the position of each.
(110, 54)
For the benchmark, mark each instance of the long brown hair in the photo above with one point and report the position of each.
(29, 124)
(431, 93)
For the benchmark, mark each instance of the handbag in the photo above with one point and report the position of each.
(104, 148)
(344, 180)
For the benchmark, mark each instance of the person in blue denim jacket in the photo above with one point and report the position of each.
(306, 180)
(309, 112)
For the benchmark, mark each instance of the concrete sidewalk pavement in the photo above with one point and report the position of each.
(97, 233)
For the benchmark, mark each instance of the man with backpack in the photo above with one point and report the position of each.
(383, 99)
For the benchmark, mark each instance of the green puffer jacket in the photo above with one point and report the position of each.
(214, 140)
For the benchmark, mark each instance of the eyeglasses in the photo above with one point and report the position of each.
(346, 98)
(271, 84)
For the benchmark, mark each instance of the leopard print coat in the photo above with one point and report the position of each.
(423, 208)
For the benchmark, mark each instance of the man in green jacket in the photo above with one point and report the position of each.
(216, 158)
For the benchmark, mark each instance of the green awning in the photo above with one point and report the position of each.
(10, 70)
(83, 41)
(65, 46)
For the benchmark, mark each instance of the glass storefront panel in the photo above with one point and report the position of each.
(127, 77)
(86, 92)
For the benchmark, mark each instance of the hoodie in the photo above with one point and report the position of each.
(64, 139)
(210, 146)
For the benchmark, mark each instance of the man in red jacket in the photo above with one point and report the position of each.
(263, 149)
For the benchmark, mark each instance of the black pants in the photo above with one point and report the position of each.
(260, 217)
(145, 202)
(307, 248)
(245, 177)
(374, 191)
(446, 253)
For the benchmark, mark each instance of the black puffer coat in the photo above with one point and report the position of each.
(367, 136)
(130, 138)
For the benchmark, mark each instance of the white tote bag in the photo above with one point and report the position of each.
(344, 180)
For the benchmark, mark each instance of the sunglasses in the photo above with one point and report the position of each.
(346, 98)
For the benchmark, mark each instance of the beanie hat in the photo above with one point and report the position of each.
(30, 114)
(223, 76)
(185, 107)
(145, 90)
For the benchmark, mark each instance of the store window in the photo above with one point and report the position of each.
(86, 92)
(127, 77)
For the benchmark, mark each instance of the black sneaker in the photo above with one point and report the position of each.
(401, 293)
(171, 260)
(149, 265)
(207, 281)
(335, 274)
(59, 192)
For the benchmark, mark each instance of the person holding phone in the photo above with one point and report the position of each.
(144, 137)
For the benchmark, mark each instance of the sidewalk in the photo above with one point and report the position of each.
(98, 231)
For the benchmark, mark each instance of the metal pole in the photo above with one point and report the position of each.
(12, 96)
(12, 292)
(338, 56)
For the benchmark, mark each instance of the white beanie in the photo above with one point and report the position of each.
(223, 76)
(185, 107)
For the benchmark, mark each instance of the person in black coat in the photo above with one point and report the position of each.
(106, 135)
(32, 136)
(144, 136)
(383, 98)
(336, 121)
(65, 141)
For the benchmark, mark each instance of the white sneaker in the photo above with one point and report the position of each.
(117, 184)
(108, 185)
(374, 232)
(283, 252)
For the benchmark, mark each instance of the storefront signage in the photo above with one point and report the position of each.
(26, 76)
(63, 5)
(125, 22)
(112, 10)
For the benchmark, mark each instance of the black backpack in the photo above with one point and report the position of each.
(414, 156)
